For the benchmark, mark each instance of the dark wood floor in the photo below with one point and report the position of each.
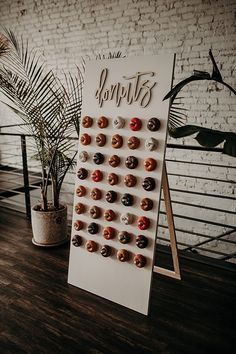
(41, 313)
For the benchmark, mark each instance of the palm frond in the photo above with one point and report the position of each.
(50, 108)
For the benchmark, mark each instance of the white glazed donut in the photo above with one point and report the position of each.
(118, 122)
(126, 218)
(151, 144)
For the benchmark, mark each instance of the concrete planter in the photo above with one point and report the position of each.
(49, 227)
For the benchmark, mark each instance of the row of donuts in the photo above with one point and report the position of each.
(148, 183)
(111, 196)
(110, 233)
(131, 162)
(135, 123)
(106, 251)
(117, 141)
(109, 215)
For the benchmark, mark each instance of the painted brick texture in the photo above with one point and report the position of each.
(67, 30)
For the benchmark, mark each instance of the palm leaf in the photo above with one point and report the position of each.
(208, 137)
(50, 108)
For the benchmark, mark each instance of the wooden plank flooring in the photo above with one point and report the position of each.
(41, 313)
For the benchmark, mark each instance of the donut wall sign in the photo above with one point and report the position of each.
(118, 178)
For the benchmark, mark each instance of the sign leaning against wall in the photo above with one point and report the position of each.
(118, 179)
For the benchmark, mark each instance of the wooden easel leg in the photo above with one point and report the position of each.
(170, 220)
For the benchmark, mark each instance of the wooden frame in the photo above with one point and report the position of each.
(170, 220)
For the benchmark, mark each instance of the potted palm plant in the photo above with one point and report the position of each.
(51, 109)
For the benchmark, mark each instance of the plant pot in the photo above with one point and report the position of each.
(49, 227)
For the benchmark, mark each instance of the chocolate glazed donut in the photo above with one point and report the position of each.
(96, 194)
(133, 142)
(91, 246)
(78, 225)
(95, 212)
(146, 204)
(101, 139)
(102, 122)
(85, 139)
(139, 260)
(141, 241)
(131, 162)
(77, 240)
(93, 228)
(127, 199)
(98, 158)
(122, 255)
(87, 122)
(130, 180)
(112, 179)
(149, 184)
(111, 196)
(80, 191)
(153, 124)
(116, 141)
(114, 161)
(109, 215)
(82, 173)
(124, 237)
(106, 251)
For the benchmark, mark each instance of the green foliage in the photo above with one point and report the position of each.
(208, 137)
(204, 136)
(50, 108)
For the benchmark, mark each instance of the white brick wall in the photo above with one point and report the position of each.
(66, 30)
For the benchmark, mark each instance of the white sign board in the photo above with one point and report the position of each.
(122, 212)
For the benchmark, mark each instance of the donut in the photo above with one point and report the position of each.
(106, 251)
(102, 122)
(109, 215)
(124, 237)
(131, 162)
(139, 260)
(153, 124)
(133, 142)
(114, 161)
(98, 158)
(78, 225)
(93, 228)
(91, 246)
(127, 199)
(76, 240)
(85, 139)
(122, 255)
(116, 141)
(79, 208)
(146, 204)
(82, 173)
(135, 124)
(87, 122)
(130, 180)
(95, 212)
(108, 233)
(151, 144)
(118, 122)
(112, 179)
(141, 241)
(96, 194)
(126, 218)
(149, 184)
(97, 175)
(80, 191)
(143, 223)
(100, 139)
(111, 196)
(149, 164)
(83, 156)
